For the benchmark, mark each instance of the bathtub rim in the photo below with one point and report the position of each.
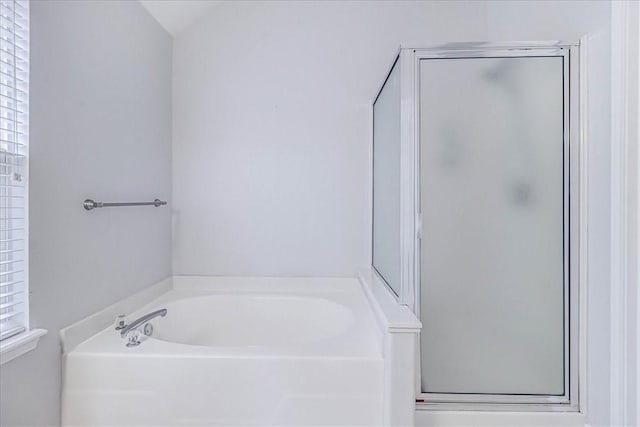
(85, 329)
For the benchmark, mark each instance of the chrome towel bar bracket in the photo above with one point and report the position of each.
(91, 204)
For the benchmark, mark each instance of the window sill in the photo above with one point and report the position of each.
(20, 344)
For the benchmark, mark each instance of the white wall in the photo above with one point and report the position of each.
(100, 128)
(271, 127)
(625, 213)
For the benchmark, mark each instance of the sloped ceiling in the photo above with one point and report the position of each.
(177, 15)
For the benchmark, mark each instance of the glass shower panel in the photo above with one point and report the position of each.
(492, 199)
(386, 181)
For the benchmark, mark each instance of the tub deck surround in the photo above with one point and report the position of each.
(236, 351)
(76, 333)
(400, 330)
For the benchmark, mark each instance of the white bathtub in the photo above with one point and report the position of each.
(236, 351)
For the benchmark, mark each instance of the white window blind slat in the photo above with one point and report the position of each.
(9, 294)
(14, 315)
(4, 288)
(14, 303)
(14, 142)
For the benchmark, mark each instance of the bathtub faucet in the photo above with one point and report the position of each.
(130, 330)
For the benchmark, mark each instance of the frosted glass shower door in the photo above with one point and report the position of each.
(493, 203)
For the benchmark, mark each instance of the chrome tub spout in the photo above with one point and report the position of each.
(141, 321)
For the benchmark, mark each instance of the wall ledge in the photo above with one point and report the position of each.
(391, 315)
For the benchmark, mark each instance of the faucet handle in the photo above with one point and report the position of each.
(133, 338)
(121, 322)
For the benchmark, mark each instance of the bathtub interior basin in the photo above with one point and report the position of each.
(252, 320)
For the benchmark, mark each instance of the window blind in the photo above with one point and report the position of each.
(14, 137)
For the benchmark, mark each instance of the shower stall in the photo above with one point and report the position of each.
(475, 222)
